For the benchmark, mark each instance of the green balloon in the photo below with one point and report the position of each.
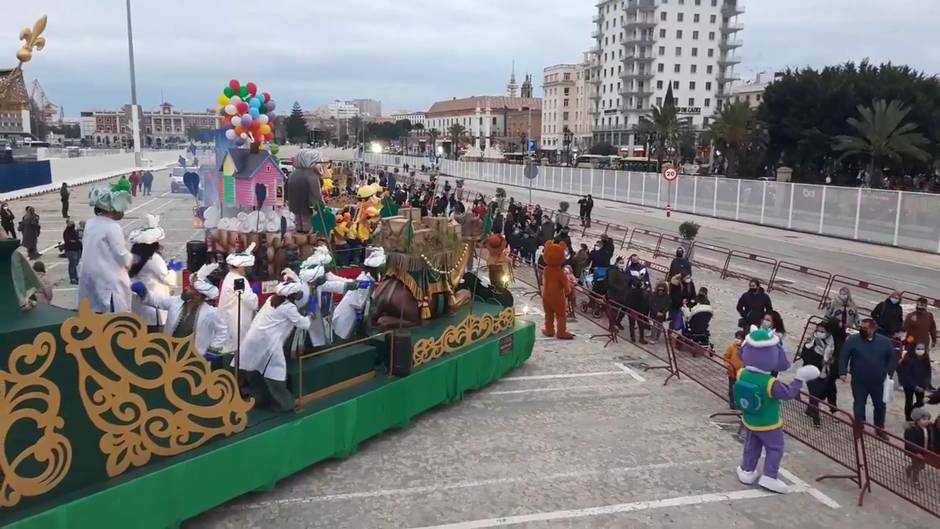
(243, 92)
(263, 109)
(228, 91)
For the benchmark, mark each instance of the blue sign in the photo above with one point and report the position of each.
(531, 147)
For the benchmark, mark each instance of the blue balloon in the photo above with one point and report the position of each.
(254, 112)
(246, 121)
(239, 142)
(255, 102)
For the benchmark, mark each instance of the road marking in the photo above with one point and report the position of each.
(43, 252)
(812, 491)
(139, 206)
(565, 375)
(681, 501)
(547, 390)
(630, 371)
(479, 483)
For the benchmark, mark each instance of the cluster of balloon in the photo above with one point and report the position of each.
(247, 114)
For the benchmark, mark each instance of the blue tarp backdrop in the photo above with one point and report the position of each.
(20, 175)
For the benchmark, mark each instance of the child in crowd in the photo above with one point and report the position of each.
(921, 435)
(914, 376)
(734, 363)
(44, 294)
(572, 297)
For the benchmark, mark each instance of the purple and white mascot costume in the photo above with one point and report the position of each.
(757, 394)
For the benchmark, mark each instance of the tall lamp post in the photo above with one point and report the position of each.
(135, 116)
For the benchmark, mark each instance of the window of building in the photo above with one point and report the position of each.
(695, 52)
(677, 68)
(678, 51)
(564, 116)
(713, 18)
(708, 102)
(659, 101)
(696, 18)
(679, 34)
(567, 90)
(565, 103)
(675, 85)
(660, 67)
(662, 50)
(711, 35)
(691, 101)
(698, 3)
(693, 68)
(662, 33)
(664, 16)
(708, 85)
(709, 69)
(659, 85)
(691, 85)
(680, 17)
(714, 3)
(711, 52)
(757, 97)
(695, 35)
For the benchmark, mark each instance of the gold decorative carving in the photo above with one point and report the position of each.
(473, 328)
(27, 397)
(151, 394)
(32, 40)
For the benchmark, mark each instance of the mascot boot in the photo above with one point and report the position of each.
(555, 291)
(757, 393)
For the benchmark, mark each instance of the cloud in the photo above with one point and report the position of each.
(406, 53)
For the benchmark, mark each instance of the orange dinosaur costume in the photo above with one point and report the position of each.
(555, 289)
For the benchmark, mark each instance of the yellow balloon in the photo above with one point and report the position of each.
(265, 129)
(223, 100)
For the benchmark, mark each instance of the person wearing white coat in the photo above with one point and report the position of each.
(190, 314)
(149, 268)
(262, 351)
(318, 289)
(352, 307)
(238, 319)
(102, 273)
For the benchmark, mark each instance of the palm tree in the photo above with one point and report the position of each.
(456, 132)
(881, 134)
(741, 136)
(433, 134)
(662, 127)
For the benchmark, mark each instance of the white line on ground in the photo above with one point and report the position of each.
(140, 206)
(547, 390)
(812, 491)
(630, 371)
(564, 375)
(682, 501)
(481, 483)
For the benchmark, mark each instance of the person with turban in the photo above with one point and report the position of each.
(238, 310)
(303, 188)
(148, 267)
(102, 274)
(319, 286)
(262, 361)
(354, 306)
(190, 314)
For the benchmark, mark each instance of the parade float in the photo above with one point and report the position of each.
(106, 425)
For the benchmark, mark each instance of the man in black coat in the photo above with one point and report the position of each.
(638, 301)
(753, 305)
(618, 286)
(889, 315)
(870, 358)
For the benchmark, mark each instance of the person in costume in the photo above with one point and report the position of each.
(340, 238)
(262, 354)
(303, 189)
(102, 274)
(190, 313)
(319, 286)
(149, 268)
(238, 317)
(757, 394)
(354, 306)
(555, 290)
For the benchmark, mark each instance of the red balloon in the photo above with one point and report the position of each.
(242, 107)
(269, 136)
(252, 88)
(234, 85)
(226, 121)
(255, 125)
(239, 130)
(267, 96)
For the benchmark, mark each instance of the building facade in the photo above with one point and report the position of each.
(643, 46)
(751, 91)
(502, 119)
(566, 105)
(159, 127)
(14, 104)
(414, 117)
(368, 107)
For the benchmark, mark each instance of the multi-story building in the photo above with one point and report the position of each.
(157, 128)
(506, 121)
(751, 91)
(368, 107)
(643, 46)
(14, 104)
(566, 105)
(414, 117)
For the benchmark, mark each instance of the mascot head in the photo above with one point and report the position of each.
(763, 351)
(554, 253)
(496, 244)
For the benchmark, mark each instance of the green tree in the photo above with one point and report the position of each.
(881, 134)
(741, 138)
(663, 128)
(355, 127)
(434, 134)
(603, 148)
(297, 131)
(456, 133)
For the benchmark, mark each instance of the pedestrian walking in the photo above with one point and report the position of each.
(6, 220)
(147, 180)
(733, 363)
(72, 245)
(582, 209)
(64, 194)
(819, 350)
(588, 209)
(889, 315)
(681, 264)
(659, 309)
(842, 307)
(134, 180)
(29, 229)
(870, 359)
(638, 301)
(920, 438)
(753, 305)
(914, 377)
(920, 325)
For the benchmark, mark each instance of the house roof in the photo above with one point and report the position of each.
(12, 87)
(247, 162)
(470, 104)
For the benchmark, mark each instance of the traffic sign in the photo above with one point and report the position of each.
(531, 146)
(670, 174)
(531, 171)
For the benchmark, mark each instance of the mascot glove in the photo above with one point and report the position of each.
(139, 288)
(807, 373)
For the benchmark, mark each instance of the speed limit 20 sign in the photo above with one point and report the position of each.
(670, 174)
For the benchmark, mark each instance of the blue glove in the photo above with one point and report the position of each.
(139, 288)
(366, 284)
(256, 289)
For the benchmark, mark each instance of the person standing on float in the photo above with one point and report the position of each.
(238, 321)
(102, 274)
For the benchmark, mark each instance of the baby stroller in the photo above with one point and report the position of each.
(696, 329)
(597, 283)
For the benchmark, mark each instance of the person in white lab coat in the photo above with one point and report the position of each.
(102, 273)
(350, 310)
(319, 286)
(190, 314)
(238, 318)
(148, 267)
(262, 360)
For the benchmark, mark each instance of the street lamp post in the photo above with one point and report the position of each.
(135, 116)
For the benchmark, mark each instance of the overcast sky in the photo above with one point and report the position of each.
(407, 53)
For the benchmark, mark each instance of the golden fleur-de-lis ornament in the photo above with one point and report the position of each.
(32, 40)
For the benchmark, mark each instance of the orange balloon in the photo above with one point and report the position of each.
(239, 130)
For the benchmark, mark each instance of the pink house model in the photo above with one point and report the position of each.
(242, 170)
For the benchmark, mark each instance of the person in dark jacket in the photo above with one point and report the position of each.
(753, 305)
(581, 261)
(601, 255)
(819, 350)
(889, 315)
(6, 220)
(618, 284)
(659, 308)
(914, 377)
(639, 272)
(681, 264)
(64, 195)
(72, 245)
(546, 230)
(638, 301)
(870, 358)
(681, 294)
(30, 229)
(921, 438)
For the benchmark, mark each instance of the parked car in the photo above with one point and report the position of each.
(286, 165)
(176, 180)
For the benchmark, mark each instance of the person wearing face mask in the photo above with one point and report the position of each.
(774, 322)
(842, 307)
(819, 351)
(659, 308)
(638, 272)
(734, 364)
(753, 305)
(920, 325)
(889, 315)
(618, 284)
(681, 264)
(914, 376)
(870, 359)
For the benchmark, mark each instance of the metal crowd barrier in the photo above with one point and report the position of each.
(709, 256)
(761, 267)
(799, 280)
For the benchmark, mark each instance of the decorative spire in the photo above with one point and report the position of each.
(512, 89)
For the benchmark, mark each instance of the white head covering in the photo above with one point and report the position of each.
(201, 282)
(287, 288)
(307, 158)
(242, 259)
(314, 267)
(117, 198)
(149, 235)
(376, 258)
